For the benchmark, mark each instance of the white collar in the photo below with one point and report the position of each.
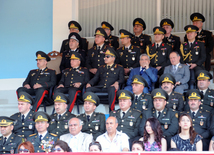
(43, 135)
(101, 46)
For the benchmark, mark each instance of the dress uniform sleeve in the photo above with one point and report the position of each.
(27, 80)
(121, 76)
(209, 45)
(185, 38)
(173, 128)
(180, 103)
(88, 60)
(96, 78)
(136, 64)
(202, 55)
(102, 126)
(62, 80)
(84, 45)
(62, 64)
(206, 134)
(212, 126)
(52, 81)
(142, 123)
(150, 103)
(18, 140)
(167, 62)
(177, 44)
(62, 49)
(136, 130)
(116, 43)
(87, 77)
(152, 74)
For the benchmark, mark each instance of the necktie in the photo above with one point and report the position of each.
(108, 67)
(136, 98)
(40, 138)
(98, 48)
(5, 139)
(88, 117)
(202, 92)
(190, 45)
(142, 70)
(123, 114)
(157, 46)
(193, 114)
(174, 69)
(59, 116)
(159, 113)
(23, 118)
(40, 71)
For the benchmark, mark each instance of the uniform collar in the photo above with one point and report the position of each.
(8, 136)
(43, 135)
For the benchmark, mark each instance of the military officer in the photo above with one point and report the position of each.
(168, 118)
(39, 81)
(9, 142)
(73, 79)
(201, 119)
(141, 100)
(108, 77)
(172, 40)
(92, 122)
(59, 120)
(175, 100)
(74, 26)
(24, 124)
(202, 35)
(95, 56)
(193, 52)
(112, 41)
(43, 140)
(159, 51)
(129, 54)
(74, 42)
(128, 118)
(139, 39)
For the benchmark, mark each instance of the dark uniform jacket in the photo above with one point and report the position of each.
(26, 128)
(66, 55)
(196, 54)
(49, 138)
(159, 57)
(106, 77)
(112, 41)
(71, 76)
(95, 58)
(168, 120)
(11, 144)
(130, 123)
(46, 78)
(175, 101)
(129, 58)
(142, 41)
(95, 126)
(173, 41)
(65, 45)
(144, 101)
(60, 126)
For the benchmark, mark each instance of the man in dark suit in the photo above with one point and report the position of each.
(179, 71)
(159, 51)
(59, 120)
(74, 26)
(73, 79)
(139, 39)
(108, 78)
(9, 142)
(92, 122)
(129, 54)
(39, 81)
(202, 35)
(24, 124)
(172, 40)
(147, 72)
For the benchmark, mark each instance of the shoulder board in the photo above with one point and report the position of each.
(148, 94)
(103, 66)
(152, 44)
(184, 42)
(207, 31)
(49, 69)
(53, 134)
(173, 110)
(92, 48)
(147, 35)
(146, 109)
(32, 135)
(119, 48)
(34, 70)
(176, 36)
(119, 65)
(178, 93)
(14, 114)
(138, 110)
(67, 68)
(207, 111)
(114, 112)
(199, 41)
(100, 113)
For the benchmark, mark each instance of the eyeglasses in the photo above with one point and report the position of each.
(23, 150)
(108, 56)
(56, 149)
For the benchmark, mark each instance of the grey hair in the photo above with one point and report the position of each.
(175, 53)
(144, 54)
(115, 118)
(80, 121)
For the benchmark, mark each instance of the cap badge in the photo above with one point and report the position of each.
(194, 94)
(195, 18)
(135, 80)
(88, 97)
(3, 121)
(58, 97)
(201, 75)
(158, 94)
(122, 94)
(189, 28)
(22, 97)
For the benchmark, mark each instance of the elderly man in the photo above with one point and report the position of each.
(108, 77)
(93, 122)
(179, 71)
(159, 51)
(43, 140)
(175, 100)
(77, 140)
(59, 120)
(39, 80)
(24, 125)
(113, 140)
(168, 118)
(141, 40)
(147, 72)
(9, 142)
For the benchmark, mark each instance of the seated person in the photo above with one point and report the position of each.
(187, 139)
(108, 78)
(25, 147)
(147, 72)
(60, 146)
(179, 71)
(39, 80)
(95, 147)
(211, 146)
(153, 138)
(138, 146)
(73, 79)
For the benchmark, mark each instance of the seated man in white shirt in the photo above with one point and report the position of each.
(77, 140)
(113, 140)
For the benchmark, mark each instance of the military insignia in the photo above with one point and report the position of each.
(144, 106)
(66, 126)
(12, 151)
(33, 74)
(96, 127)
(165, 126)
(176, 115)
(169, 40)
(112, 69)
(163, 53)
(129, 50)
(15, 122)
(174, 106)
(131, 123)
(141, 44)
(101, 52)
(196, 53)
(92, 54)
(133, 58)
(211, 103)
(30, 126)
(201, 122)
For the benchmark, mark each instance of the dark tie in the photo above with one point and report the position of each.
(193, 114)
(141, 72)
(108, 67)
(59, 116)
(98, 48)
(123, 114)
(190, 45)
(5, 139)
(157, 46)
(159, 113)
(88, 117)
(40, 138)
(40, 71)
(202, 92)
(136, 98)
(23, 118)
(127, 49)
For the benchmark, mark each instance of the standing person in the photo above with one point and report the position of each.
(153, 138)
(187, 139)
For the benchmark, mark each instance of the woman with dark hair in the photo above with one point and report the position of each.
(153, 136)
(25, 147)
(95, 147)
(137, 146)
(61, 146)
(187, 139)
